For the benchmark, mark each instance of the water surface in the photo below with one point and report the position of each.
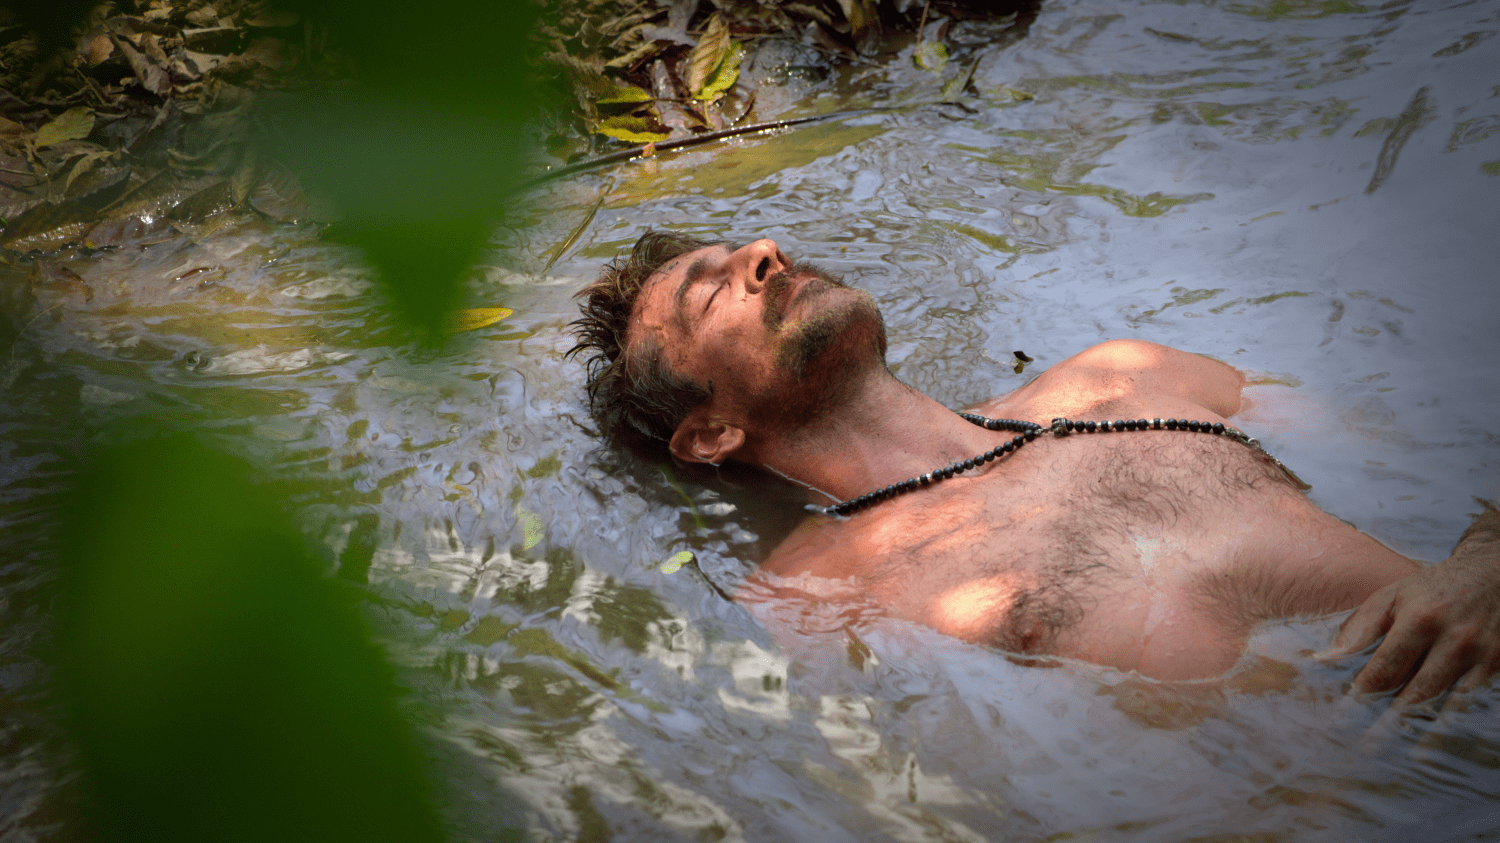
(1305, 190)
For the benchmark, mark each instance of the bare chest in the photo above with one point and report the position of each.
(1123, 551)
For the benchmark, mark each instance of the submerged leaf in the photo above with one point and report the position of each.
(954, 88)
(931, 55)
(73, 124)
(674, 564)
(477, 317)
(531, 528)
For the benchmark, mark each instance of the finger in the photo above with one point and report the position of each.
(1368, 622)
(1394, 661)
(1442, 667)
(1460, 701)
(1479, 676)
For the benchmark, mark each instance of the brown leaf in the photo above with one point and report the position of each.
(147, 197)
(204, 62)
(96, 50)
(268, 52)
(100, 183)
(280, 196)
(663, 85)
(56, 272)
(211, 200)
(135, 231)
(244, 177)
(271, 19)
(706, 56)
(643, 51)
(151, 46)
(48, 227)
(737, 103)
(864, 23)
(819, 37)
(82, 165)
(203, 16)
(808, 11)
(147, 75)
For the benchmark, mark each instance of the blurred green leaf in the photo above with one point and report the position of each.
(218, 685)
(419, 157)
(73, 124)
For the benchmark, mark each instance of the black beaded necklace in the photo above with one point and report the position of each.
(1027, 431)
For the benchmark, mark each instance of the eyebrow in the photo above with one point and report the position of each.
(696, 273)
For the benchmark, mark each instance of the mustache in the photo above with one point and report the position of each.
(778, 288)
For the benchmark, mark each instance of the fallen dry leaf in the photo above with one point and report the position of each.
(72, 124)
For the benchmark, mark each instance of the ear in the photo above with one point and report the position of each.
(703, 438)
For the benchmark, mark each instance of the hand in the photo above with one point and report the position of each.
(1441, 626)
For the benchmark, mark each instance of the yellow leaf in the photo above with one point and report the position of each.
(680, 558)
(724, 75)
(72, 124)
(630, 128)
(476, 317)
(625, 94)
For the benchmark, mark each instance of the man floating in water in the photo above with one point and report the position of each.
(1108, 510)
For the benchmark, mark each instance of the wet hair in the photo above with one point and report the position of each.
(634, 398)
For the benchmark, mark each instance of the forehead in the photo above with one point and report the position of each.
(656, 305)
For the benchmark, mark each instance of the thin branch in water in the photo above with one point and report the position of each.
(578, 230)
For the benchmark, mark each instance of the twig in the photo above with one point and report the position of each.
(666, 146)
(577, 231)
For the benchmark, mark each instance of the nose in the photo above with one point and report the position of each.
(754, 263)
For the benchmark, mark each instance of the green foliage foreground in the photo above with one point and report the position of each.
(219, 686)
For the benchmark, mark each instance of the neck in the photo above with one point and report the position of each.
(881, 432)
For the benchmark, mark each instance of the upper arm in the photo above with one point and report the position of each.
(1141, 368)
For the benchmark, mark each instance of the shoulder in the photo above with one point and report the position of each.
(1123, 368)
(1129, 355)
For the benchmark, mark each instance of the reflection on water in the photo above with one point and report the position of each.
(1305, 190)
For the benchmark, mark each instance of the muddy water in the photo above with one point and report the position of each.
(1307, 190)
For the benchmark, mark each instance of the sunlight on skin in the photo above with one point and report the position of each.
(970, 611)
(1094, 379)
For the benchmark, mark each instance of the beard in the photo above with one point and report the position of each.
(840, 333)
